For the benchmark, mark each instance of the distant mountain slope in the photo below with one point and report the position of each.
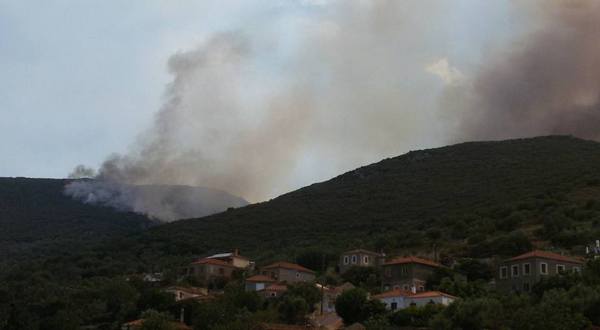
(483, 191)
(35, 215)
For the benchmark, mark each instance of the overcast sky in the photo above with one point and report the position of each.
(80, 79)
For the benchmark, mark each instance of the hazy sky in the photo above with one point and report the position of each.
(81, 79)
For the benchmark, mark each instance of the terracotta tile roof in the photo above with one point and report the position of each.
(289, 265)
(412, 260)
(259, 279)
(216, 262)
(431, 294)
(393, 293)
(546, 255)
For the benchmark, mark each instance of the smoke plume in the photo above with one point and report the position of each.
(257, 112)
(547, 83)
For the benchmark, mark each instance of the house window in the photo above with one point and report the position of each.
(354, 259)
(543, 268)
(394, 306)
(514, 270)
(560, 269)
(576, 269)
(297, 274)
(366, 260)
(526, 287)
(346, 260)
(405, 287)
(421, 288)
(526, 269)
(273, 294)
(503, 272)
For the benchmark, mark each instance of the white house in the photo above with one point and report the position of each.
(400, 299)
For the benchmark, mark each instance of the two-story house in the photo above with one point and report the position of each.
(520, 273)
(288, 272)
(360, 258)
(407, 273)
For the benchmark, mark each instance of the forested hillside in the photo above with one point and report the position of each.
(36, 218)
(479, 198)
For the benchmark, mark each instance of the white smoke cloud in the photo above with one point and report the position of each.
(448, 74)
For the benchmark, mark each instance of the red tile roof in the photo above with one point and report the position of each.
(546, 255)
(431, 294)
(259, 279)
(209, 261)
(289, 265)
(393, 293)
(412, 260)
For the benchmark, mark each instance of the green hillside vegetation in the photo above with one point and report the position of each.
(37, 219)
(472, 201)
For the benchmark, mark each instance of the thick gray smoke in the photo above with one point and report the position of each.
(547, 83)
(260, 111)
(161, 202)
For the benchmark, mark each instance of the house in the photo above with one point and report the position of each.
(182, 293)
(400, 299)
(407, 273)
(233, 258)
(520, 273)
(329, 296)
(360, 258)
(258, 282)
(209, 270)
(288, 272)
(273, 291)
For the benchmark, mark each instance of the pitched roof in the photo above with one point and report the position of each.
(412, 260)
(363, 251)
(393, 293)
(431, 294)
(209, 261)
(259, 279)
(289, 265)
(546, 255)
